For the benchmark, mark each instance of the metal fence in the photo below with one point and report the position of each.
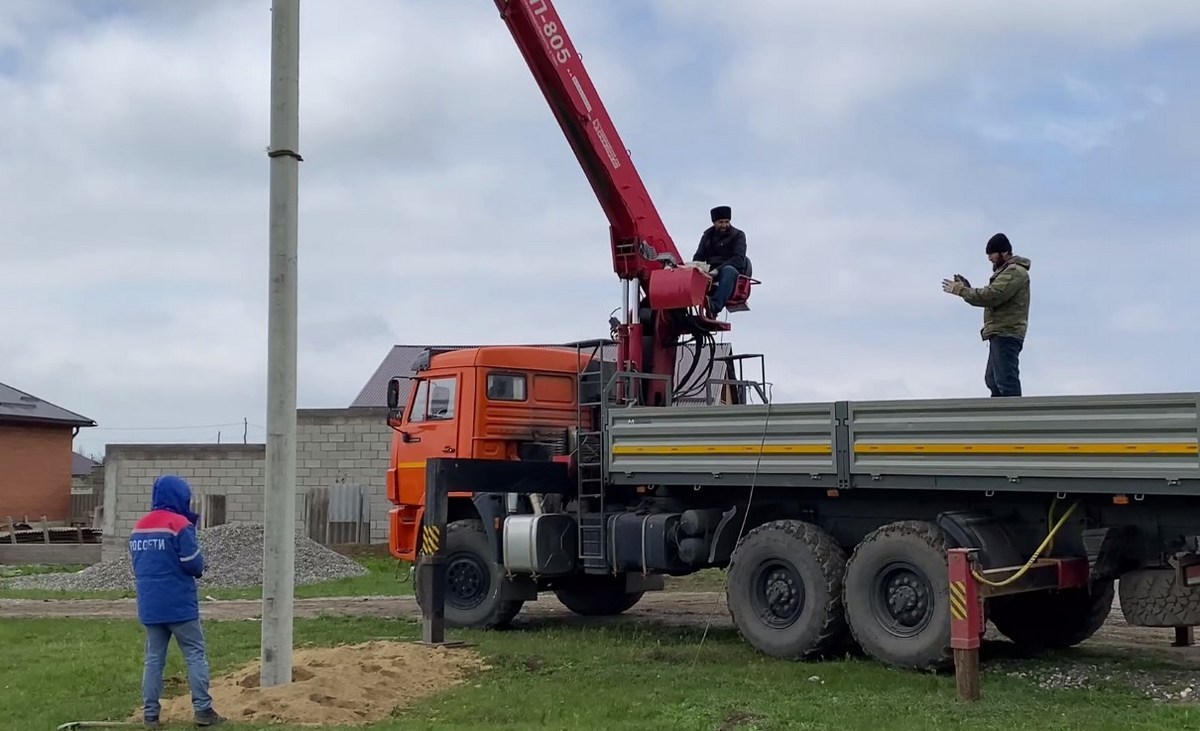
(338, 514)
(334, 515)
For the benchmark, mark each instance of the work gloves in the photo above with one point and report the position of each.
(956, 286)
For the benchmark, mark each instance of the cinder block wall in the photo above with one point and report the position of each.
(334, 447)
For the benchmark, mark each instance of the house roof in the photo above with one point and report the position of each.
(81, 465)
(401, 359)
(18, 406)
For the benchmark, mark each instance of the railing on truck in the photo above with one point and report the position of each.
(1135, 444)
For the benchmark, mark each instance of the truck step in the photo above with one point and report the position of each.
(591, 540)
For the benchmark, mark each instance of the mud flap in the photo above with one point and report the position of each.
(968, 529)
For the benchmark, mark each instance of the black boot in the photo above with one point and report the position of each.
(208, 718)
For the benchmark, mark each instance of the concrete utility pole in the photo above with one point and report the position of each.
(279, 497)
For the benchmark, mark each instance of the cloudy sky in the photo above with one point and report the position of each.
(867, 150)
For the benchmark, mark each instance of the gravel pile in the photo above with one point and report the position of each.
(1160, 684)
(233, 554)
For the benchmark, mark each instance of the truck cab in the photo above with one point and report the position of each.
(496, 402)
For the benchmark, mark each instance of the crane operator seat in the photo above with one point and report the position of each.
(741, 289)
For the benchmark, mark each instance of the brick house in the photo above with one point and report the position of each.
(36, 458)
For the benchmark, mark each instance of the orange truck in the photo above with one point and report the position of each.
(502, 403)
(579, 472)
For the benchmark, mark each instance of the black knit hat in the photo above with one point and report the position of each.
(721, 212)
(999, 244)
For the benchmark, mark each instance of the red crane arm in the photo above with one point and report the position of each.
(639, 237)
(642, 249)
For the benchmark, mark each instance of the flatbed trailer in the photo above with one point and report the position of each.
(835, 521)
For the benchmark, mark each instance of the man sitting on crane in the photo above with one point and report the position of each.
(723, 248)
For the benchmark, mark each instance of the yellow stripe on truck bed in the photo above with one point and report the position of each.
(1040, 449)
(1065, 448)
(722, 449)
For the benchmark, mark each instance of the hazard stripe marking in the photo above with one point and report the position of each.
(958, 600)
(430, 539)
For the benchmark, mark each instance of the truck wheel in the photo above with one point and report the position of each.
(1155, 598)
(784, 590)
(597, 596)
(1052, 619)
(473, 580)
(897, 595)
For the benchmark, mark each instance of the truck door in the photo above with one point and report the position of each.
(433, 430)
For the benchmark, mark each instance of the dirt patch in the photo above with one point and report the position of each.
(346, 685)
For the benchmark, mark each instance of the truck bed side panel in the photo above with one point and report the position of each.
(1140, 443)
(1108, 437)
(686, 443)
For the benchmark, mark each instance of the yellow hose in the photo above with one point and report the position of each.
(1050, 519)
(1032, 559)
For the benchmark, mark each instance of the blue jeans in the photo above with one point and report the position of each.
(190, 638)
(1003, 374)
(726, 278)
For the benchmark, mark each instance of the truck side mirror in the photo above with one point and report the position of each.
(393, 393)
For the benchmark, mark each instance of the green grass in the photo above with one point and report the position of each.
(706, 580)
(613, 676)
(34, 569)
(384, 577)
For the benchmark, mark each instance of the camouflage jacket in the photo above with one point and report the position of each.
(1005, 300)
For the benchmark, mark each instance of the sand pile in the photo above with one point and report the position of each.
(347, 685)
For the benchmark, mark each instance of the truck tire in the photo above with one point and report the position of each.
(897, 596)
(1052, 620)
(473, 580)
(784, 590)
(597, 596)
(1154, 598)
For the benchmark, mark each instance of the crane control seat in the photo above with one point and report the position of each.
(739, 300)
(682, 287)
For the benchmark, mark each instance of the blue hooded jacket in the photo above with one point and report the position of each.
(166, 555)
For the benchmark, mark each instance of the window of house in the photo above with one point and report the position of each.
(506, 387)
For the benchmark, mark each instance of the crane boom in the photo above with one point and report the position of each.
(664, 292)
(639, 237)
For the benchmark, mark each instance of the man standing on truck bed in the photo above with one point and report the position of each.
(1005, 303)
(723, 248)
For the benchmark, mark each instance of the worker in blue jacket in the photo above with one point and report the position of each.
(167, 563)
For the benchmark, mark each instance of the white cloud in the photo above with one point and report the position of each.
(791, 65)
(440, 202)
